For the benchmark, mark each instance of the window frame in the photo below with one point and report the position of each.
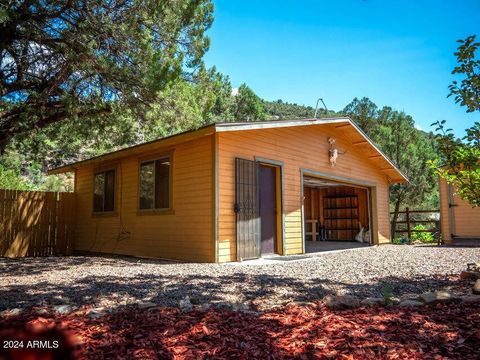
(104, 170)
(154, 159)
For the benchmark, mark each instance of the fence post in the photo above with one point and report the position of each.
(439, 233)
(409, 232)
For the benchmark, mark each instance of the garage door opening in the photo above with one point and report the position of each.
(337, 216)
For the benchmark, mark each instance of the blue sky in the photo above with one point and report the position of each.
(397, 53)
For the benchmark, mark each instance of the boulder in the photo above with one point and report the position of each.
(437, 297)
(410, 302)
(476, 287)
(373, 301)
(341, 302)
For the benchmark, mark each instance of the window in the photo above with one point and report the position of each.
(104, 191)
(155, 184)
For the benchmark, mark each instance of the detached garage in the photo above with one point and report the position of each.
(236, 191)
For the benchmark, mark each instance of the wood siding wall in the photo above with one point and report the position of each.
(461, 220)
(35, 223)
(297, 147)
(185, 234)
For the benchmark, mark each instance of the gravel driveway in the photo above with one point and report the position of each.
(115, 281)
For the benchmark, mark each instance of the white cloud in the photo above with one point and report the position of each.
(418, 127)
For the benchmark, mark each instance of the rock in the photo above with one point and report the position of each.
(470, 299)
(474, 267)
(11, 312)
(469, 275)
(437, 297)
(301, 303)
(393, 300)
(476, 287)
(185, 304)
(63, 309)
(203, 307)
(41, 311)
(341, 302)
(195, 301)
(96, 313)
(372, 301)
(146, 304)
(240, 307)
(410, 302)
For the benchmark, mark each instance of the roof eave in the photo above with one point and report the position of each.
(168, 141)
(303, 122)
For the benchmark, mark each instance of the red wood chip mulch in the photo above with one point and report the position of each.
(429, 332)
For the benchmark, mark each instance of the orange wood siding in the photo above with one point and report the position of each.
(186, 234)
(298, 147)
(460, 220)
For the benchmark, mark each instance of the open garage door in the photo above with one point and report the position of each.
(336, 215)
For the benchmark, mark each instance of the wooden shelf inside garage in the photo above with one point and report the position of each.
(336, 212)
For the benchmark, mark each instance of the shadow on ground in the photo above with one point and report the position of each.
(258, 291)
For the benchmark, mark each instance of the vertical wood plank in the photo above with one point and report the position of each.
(34, 223)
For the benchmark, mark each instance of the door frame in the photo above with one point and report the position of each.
(371, 203)
(279, 193)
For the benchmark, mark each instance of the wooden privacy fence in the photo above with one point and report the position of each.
(35, 223)
(414, 217)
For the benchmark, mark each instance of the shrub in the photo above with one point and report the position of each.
(424, 237)
(400, 240)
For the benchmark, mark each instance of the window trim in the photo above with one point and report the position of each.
(115, 192)
(160, 211)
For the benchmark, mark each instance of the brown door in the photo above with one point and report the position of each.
(246, 209)
(268, 223)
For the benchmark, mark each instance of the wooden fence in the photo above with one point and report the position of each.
(34, 223)
(411, 218)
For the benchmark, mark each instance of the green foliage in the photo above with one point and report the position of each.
(280, 110)
(16, 174)
(364, 112)
(387, 292)
(467, 93)
(247, 106)
(10, 179)
(402, 240)
(182, 105)
(424, 237)
(410, 149)
(459, 163)
(77, 59)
